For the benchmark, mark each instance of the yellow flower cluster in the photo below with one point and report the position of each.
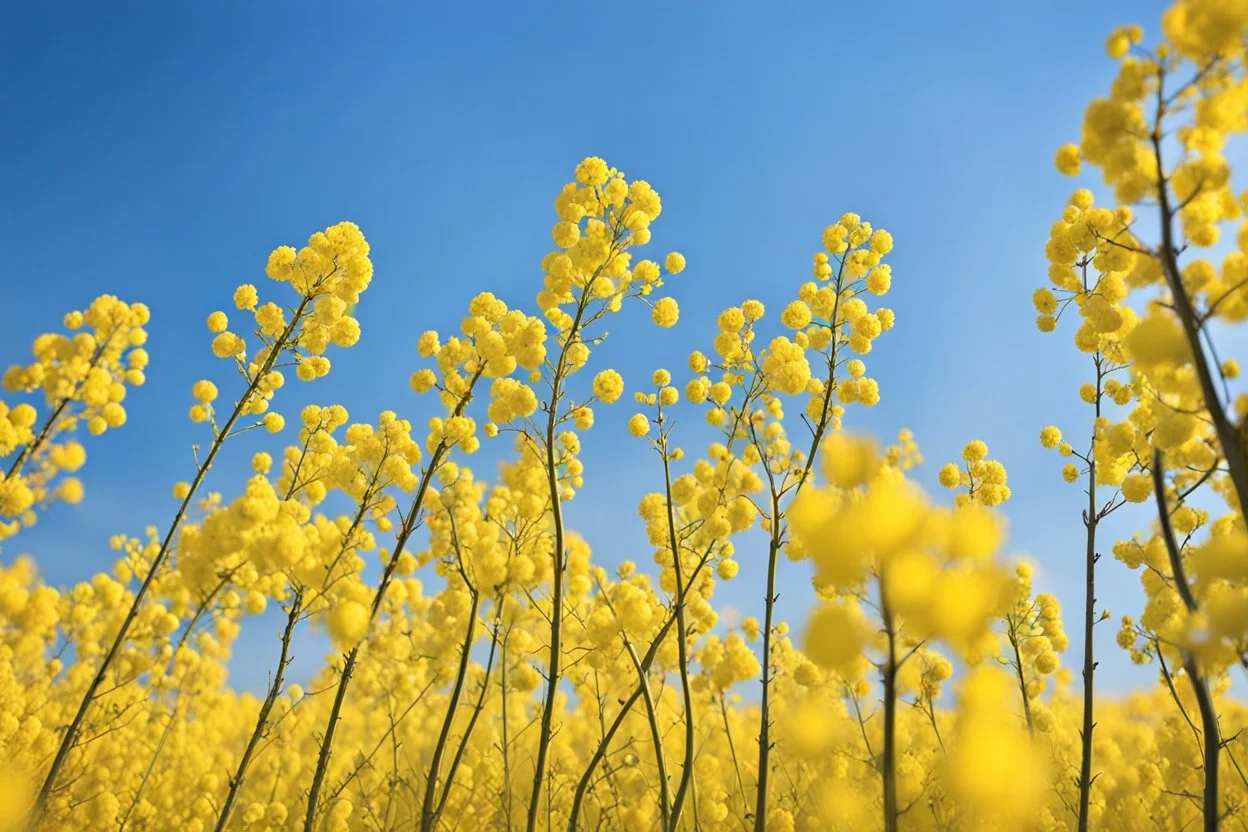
(1033, 629)
(984, 479)
(1165, 433)
(84, 376)
(932, 567)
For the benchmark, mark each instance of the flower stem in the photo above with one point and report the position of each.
(262, 720)
(1090, 520)
(70, 737)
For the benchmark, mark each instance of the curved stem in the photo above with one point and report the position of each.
(1022, 681)
(656, 736)
(472, 722)
(262, 720)
(1200, 685)
(410, 522)
(582, 786)
(428, 813)
(1228, 436)
(682, 646)
(773, 555)
(70, 736)
(554, 673)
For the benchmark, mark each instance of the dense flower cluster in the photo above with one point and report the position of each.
(486, 672)
(84, 377)
(1164, 430)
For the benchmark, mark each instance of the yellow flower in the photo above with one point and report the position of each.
(975, 450)
(835, 637)
(665, 312)
(950, 475)
(217, 322)
(1068, 159)
(849, 461)
(348, 623)
(608, 386)
(246, 297)
(1137, 488)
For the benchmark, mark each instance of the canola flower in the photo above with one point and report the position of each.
(486, 672)
(1180, 439)
(1088, 251)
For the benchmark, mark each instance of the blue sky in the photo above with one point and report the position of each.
(159, 152)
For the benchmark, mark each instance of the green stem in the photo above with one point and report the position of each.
(262, 720)
(582, 786)
(405, 532)
(1089, 623)
(1200, 685)
(1022, 681)
(554, 674)
(428, 812)
(889, 763)
(764, 730)
(472, 722)
(656, 736)
(682, 646)
(1228, 436)
(773, 557)
(70, 737)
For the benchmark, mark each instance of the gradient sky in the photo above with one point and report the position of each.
(160, 151)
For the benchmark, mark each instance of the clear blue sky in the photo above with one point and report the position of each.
(160, 151)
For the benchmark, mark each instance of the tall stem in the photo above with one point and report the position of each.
(889, 763)
(1212, 737)
(773, 557)
(502, 695)
(428, 815)
(1022, 681)
(410, 522)
(262, 720)
(682, 637)
(71, 733)
(656, 736)
(327, 742)
(732, 750)
(173, 714)
(582, 786)
(296, 609)
(1090, 520)
(764, 729)
(554, 673)
(1228, 437)
(472, 722)
(1212, 744)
